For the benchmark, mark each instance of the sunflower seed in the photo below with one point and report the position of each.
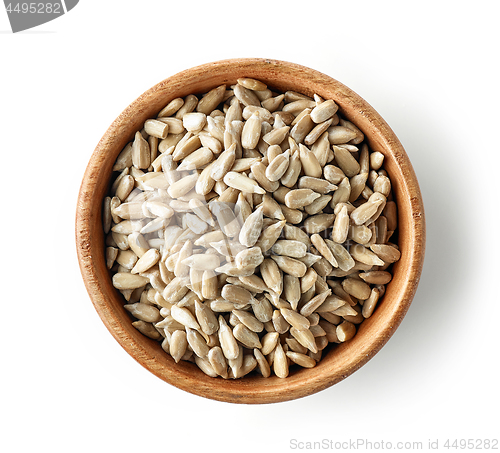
(141, 155)
(250, 134)
(324, 111)
(183, 186)
(360, 234)
(247, 337)
(385, 252)
(197, 343)
(144, 312)
(309, 161)
(148, 260)
(370, 303)
(365, 212)
(178, 344)
(271, 275)
(295, 319)
(341, 226)
(308, 280)
(291, 288)
(314, 303)
(346, 161)
(228, 343)
(246, 96)
(290, 265)
(184, 317)
(249, 258)
(357, 184)
(299, 198)
(125, 280)
(264, 368)
(345, 331)
(323, 248)
(376, 160)
(376, 277)
(305, 338)
(218, 362)
(280, 362)
(319, 185)
(310, 259)
(270, 235)
(318, 223)
(293, 249)
(211, 100)
(226, 219)
(339, 135)
(251, 229)
(356, 288)
(147, 329)
(126, 258)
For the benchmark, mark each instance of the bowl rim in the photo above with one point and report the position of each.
(186, 376)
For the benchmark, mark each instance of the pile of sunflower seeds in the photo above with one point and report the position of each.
(248, 229)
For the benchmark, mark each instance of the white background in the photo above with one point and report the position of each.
(428, 67)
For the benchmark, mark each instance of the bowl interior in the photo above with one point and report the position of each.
(342, 360)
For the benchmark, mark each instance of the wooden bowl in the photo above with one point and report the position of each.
(342, 360)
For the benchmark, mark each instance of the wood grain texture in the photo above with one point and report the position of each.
(341, 361)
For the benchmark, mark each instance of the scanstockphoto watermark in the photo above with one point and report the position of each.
(26, 15)
(373, 445)
(356, 444)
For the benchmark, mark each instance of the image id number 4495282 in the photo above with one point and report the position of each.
(34, 8)
(471, 444)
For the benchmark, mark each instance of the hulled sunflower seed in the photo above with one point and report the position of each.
(293, 249)
(178, 344)
(290, 265)
(183, 186)
(295, 319)
(251, 229)
(141, 154)
(146, 261)
(280, 363)
(309, 161)
(218, 361)
(249, 258)
(269, 236)
(278, 166)
(211, 100)
(314, 303)
(197, 342)
(228, 343)
(299, 198)
(305, 338)
(159, 247)
(376, 277)
(370, 303)
(125, 280)
(341, 226)
(242, 183)
(246, 337)
(341, 255)
(206, 318)
(308, 280)
(345, 331)
(184, 317)
(323, 248)
(356, 288)
(147, 329)
(318, 223)
(385, 252)
(363, 255)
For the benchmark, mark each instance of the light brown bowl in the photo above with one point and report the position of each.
(341, 361)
